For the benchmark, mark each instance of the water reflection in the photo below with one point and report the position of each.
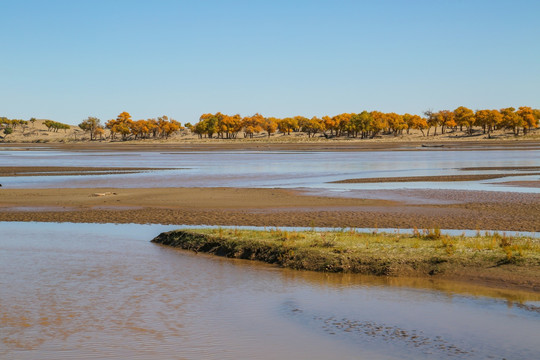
(104, 291)
(447, 287)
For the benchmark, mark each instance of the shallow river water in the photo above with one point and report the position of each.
(103, 291)
(283, 169)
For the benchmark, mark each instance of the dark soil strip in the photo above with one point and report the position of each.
(442, 178)
(503, 168)
(69, 170)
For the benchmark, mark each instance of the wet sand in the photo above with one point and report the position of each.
(68, 170)
(531, 184)
(269, 207)
(502, 168)
(441, 178)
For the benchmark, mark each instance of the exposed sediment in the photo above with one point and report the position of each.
(471, 210)
(438, 178)
(8, 171)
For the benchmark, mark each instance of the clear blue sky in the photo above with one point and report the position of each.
(67, 60)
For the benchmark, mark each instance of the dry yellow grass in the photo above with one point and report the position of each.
(509, 261)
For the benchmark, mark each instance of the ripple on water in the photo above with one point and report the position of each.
(104, 291)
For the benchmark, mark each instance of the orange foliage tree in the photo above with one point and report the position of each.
(464, 117)
(162, 127)
(528, 118)
(488, 120)
(287, 125)
(445, 119)
(121, 125)
(511, 120)
(270, 125)
(369, 124)
(311, 126)
(415, 122)
(379, 123)
(396, 123)
(252, 125)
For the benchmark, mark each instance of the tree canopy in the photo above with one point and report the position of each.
(370, 124)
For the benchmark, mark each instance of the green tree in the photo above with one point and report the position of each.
(208, 124)
(431, 119)
(90, 125)
(365, 123)
(311, 126)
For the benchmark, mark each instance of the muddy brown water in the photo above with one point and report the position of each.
(95, 291)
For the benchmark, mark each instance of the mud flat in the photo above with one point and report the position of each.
(495, 259)
(7, 171)
(502, 168)
(530, 184)
(440, 178)
(473, 210)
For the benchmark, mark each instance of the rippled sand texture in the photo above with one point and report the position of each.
(275, 207)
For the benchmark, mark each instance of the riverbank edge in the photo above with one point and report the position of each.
(507, 276)
(347, 145)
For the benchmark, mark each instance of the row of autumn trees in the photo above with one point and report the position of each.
(365, 124)
(123, 127)
(369, 124)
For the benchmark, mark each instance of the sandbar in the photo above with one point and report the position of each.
(9, 171)
(530, 184)
(267, 207)
(438, 178)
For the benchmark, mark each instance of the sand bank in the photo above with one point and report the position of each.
(68, 170)
(438, 178)
(531, 184)
(284, 143)
(502, 168)
(268, 207)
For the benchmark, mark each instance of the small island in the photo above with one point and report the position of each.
(489, 258)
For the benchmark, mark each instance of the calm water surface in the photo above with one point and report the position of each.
(286, 169)
(94, 291)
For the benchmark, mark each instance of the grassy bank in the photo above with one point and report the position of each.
(489, 258)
